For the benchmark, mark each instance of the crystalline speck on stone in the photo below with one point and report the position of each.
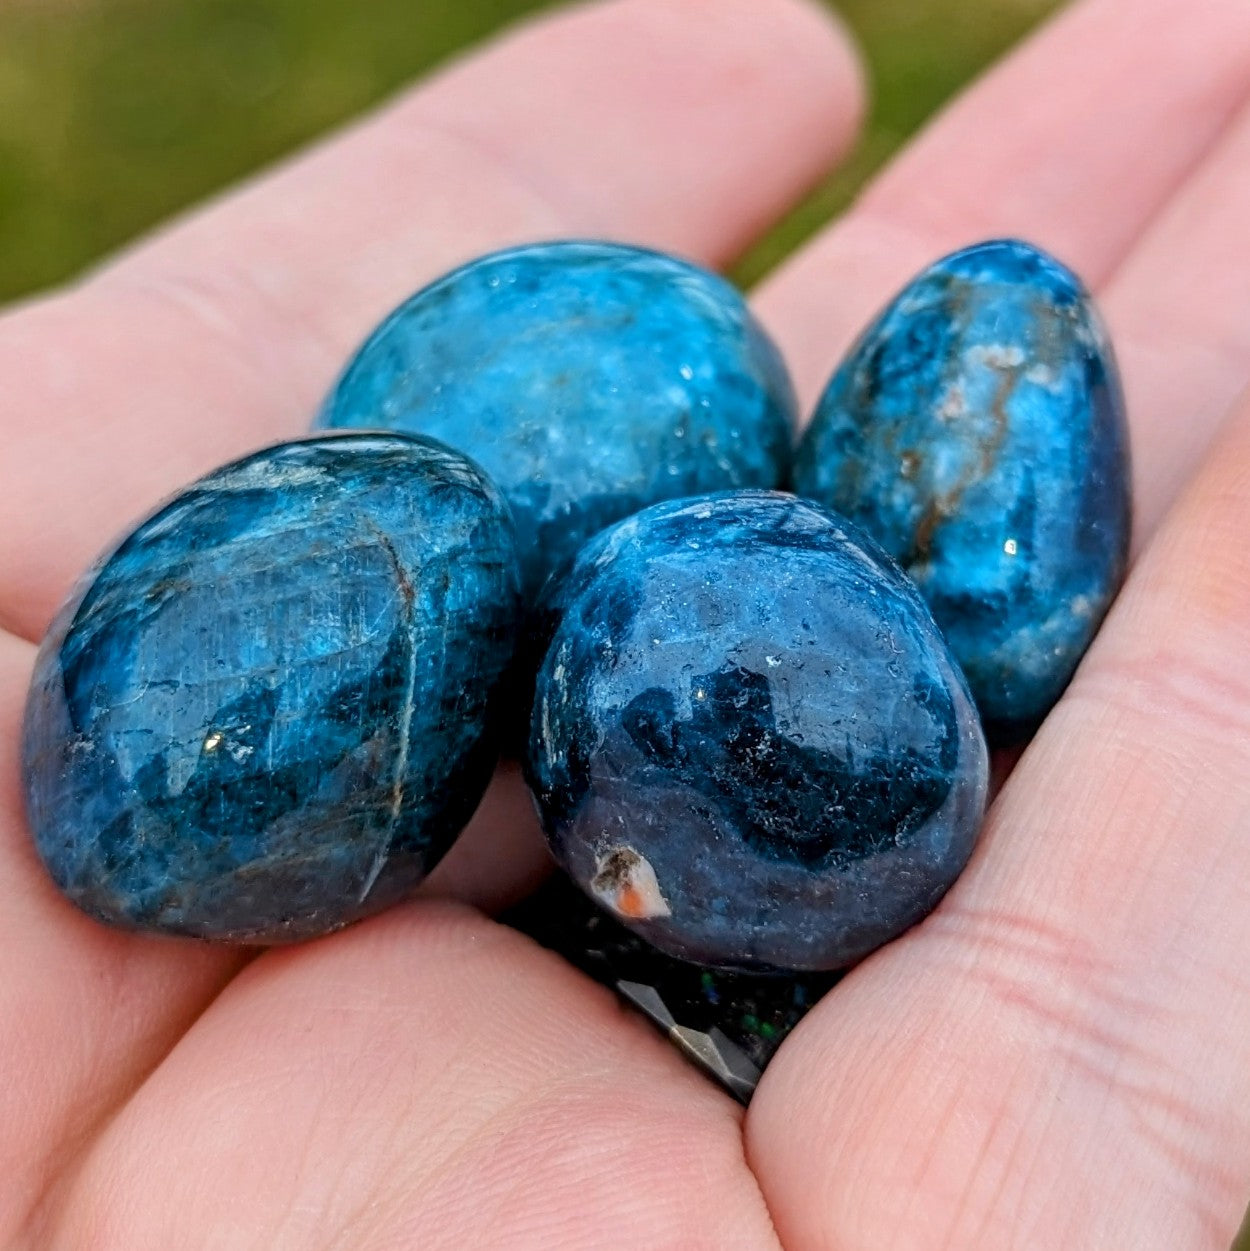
(269, 710)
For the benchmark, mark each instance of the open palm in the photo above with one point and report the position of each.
(1058, 1058)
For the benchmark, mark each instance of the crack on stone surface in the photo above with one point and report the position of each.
(407, 594)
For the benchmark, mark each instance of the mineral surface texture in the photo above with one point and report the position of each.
(588, 379)
(269, 710)
(750, 742)
(977, 431)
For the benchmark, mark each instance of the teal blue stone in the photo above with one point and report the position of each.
(977, 430)
(270, 709)
(749, 740)
(588, 379)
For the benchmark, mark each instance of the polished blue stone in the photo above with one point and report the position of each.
(588, 379)
(977, 431)
(268, 711)
(750, 741)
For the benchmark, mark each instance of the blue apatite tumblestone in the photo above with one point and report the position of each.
(749, 740)
(588, 379)
(268, 711)
(977, 431)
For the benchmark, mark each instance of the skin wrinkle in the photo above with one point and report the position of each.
(1100, 1053)
(998, 1125)
(627, 1036)
(35, 1230)
(1154, 1106)
(1213, 703)
(51, 1224)
(111, 979)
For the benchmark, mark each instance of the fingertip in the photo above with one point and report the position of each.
(743, 104)
(805, 47)
(793, 91)
(825, 59)
(802, 48)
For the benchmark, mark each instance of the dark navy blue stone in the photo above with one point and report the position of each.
(588, 379)
(977, 431)
(269, 710)
(750, 741)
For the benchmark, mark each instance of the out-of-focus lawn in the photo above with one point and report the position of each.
(113, 113)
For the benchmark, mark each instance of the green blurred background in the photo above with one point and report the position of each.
(115, 113)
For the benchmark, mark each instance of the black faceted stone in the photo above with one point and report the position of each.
(729, 1024)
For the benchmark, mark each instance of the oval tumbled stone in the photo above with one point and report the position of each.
(749, 740)
(588, 379)
(269, 710)
(977, 431)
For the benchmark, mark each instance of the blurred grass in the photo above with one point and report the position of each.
(114, 113)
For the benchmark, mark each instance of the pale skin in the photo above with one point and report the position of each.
(1058, 1058)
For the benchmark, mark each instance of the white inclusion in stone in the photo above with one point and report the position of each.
(1011, 548)
(1043, 376)
(545, 714)
(772, 661)
(954, 404)
(625, 881)
(996, 355)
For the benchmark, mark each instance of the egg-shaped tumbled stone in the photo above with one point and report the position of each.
(749, 740)
(977, 431)
(588, 379)
(269, 710)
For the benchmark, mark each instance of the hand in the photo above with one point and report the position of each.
(1058, 1058)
